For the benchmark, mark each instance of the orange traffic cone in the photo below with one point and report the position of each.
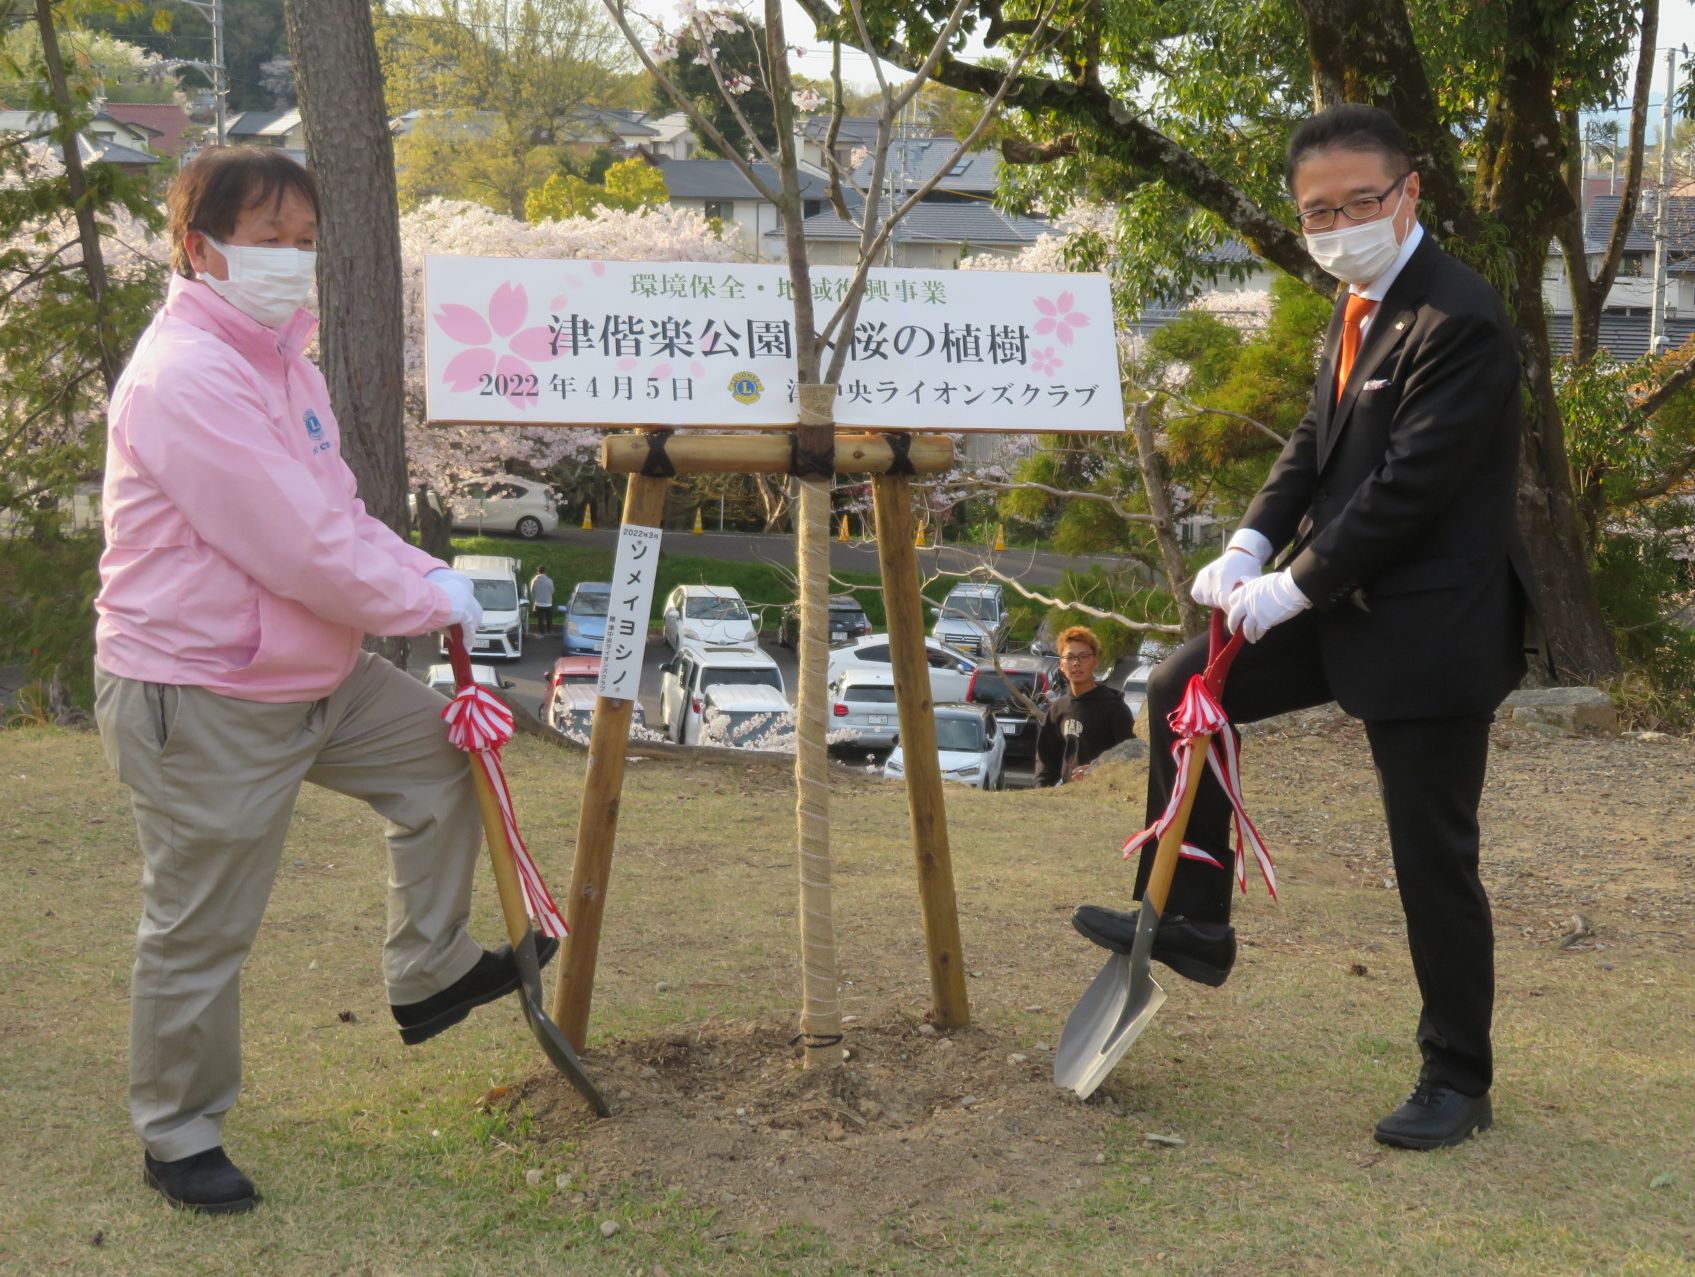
(920, 543)
(842, 532)
(1000, 537)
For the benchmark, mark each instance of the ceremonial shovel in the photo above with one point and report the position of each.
(518, 929)
(1123, 998)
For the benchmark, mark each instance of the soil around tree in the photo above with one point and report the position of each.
(1587, 850)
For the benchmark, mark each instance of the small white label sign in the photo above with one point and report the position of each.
(633, 573)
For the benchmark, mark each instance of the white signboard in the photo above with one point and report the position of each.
(634, 569)
(541, 342)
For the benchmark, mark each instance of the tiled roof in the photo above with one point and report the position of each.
(970, 222)
(1680, 224)
(912, 161)
(1624, 337)
(165, 120)
(722, 180)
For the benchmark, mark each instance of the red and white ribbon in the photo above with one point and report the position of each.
(1197, 716)
(480, 723)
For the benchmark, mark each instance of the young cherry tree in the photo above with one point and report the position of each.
(822, 344)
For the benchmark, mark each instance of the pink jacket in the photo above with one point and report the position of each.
(237, 556)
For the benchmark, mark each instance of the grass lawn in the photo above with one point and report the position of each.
(380, 1160)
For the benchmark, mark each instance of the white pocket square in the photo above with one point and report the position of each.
(1376, 384)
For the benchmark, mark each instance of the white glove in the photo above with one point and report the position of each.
(1265, 601)
(466, 612)
(1216, 580)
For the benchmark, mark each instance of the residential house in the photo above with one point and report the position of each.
(105, 141)
(914, 161)
(855, 131)
(1626, 315)
(281, 129)
(673, 137)
(717, 189)
(164, 122)
(932, 235)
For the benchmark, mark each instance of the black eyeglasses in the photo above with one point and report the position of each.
(1363, 209)
(1078, 656)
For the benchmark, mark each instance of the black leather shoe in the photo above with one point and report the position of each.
(1435, 1116)
(1200, 951)
(494, 976)
(206, 1182)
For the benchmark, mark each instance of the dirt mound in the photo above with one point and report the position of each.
(915, 1126)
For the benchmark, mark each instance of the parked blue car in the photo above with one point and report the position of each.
(585, 617)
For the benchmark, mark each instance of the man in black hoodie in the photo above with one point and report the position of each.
(1086, 722)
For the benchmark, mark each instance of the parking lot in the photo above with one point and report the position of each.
(529, 675)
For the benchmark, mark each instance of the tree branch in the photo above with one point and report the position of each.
(1124, 137)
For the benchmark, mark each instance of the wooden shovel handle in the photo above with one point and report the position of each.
(1171, 841)
(1221, 652)
(494, 828)
(501, 859)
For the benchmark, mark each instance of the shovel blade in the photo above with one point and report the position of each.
(553, 1042)
(1109, 1017)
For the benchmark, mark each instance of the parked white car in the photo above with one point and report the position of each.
(441, 678)
(710, 617)
(505, 503)
(862, 702)
(950, 669)
(969, 747)
(685, 679)
(973, 619)
(496, 581)
(739, 716)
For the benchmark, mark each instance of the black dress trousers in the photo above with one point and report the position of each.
(1430, 772)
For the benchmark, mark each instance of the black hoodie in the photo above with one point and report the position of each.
(1105, 720)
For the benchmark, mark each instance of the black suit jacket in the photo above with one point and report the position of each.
(1396, 503)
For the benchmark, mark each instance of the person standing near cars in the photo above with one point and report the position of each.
(541, 598)
(1082, 724)
(240, 576)
(1400, 593)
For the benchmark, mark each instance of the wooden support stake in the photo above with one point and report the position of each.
(597, 822)
(926, 807)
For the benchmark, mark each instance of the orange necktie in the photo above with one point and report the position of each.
(1358, 308)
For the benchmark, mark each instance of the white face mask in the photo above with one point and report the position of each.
(266, 284)
(1360, 253)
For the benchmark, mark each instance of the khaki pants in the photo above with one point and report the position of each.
(213, 782)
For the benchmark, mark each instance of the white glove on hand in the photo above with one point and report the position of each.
(1265, 601)
(466, 612)
(1216, 580)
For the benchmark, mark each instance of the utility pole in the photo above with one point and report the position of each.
(213, 12)
(1657, 311)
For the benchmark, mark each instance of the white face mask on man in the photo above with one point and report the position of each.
(266, 284)
(1360, 253)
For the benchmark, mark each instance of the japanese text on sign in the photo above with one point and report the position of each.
(609, 343)
(633, 572)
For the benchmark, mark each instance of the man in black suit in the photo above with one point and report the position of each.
(1398, 594)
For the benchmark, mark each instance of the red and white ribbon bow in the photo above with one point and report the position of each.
(480, 723)
(1199, 715)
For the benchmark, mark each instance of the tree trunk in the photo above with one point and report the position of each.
(88, 233)
(435, 529)
(1156, 483)
(359, 289)
(1569, 612)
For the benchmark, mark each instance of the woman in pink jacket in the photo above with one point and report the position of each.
(240, 577)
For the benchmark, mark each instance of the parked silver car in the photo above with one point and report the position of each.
(862, 702)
